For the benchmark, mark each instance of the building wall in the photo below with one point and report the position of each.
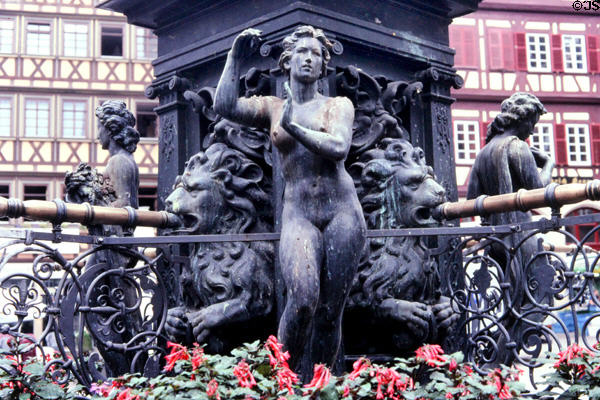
(59, 60)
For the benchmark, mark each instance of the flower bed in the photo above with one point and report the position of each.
(261, 371)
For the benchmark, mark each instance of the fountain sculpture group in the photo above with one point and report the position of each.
(325, 287)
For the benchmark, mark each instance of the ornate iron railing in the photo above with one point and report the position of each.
(104, 310)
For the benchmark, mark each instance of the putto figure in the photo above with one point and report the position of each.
(117, 134)
(323, 228)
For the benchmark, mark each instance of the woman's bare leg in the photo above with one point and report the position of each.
(343, 243)
(301, 256)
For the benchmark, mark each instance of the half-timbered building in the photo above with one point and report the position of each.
(545, 47)
(60, 59)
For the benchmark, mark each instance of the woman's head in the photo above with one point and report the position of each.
(306, 31)
(116, 121)
(520, 112)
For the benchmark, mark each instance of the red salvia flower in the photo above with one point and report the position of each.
(359, 365)
(501, 386)
(244, 375)
(286, 378)
(396, 383)
(276, 355)
(212, 389)
(346, 391)
(431, 354)
(453, 365)
(197, 356)
(568, 355)
(321, 377)
(126, 395)
(178, 352)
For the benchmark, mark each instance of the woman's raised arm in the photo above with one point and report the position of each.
(252, 111)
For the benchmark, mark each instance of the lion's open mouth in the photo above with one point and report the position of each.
(191, 223)
(421, 216)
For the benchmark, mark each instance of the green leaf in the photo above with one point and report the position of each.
(48, 390)
(329, 392)
(34, 369)
(578, 388)
(594, 393)
(458, 356)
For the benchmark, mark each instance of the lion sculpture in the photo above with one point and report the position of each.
(397, 290)
(228, 289)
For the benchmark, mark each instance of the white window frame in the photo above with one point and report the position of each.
(533, 42)
(7, 44)
(73, 112)
(465, 141)
(581, 142)
(147, 34)
(76, 36)
(49, 46)
(569, 51)
(11, 113)
(540, 131)
(27, 112)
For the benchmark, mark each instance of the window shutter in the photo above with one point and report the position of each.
(495, 50)
(470, 47)
(463, 40)
(483, 133)
(557, 57)
(593, 43)
(508, 50)
(595, 144)
(560, 144)
(520, 52)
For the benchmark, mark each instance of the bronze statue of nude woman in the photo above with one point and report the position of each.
(323, 228)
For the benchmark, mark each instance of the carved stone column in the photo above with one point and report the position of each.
(175, 131)
(173, 134)
(436, 135)
(437, 140)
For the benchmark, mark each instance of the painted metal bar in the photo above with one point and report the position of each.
(524, 200)
(57, 211)
(555, 195)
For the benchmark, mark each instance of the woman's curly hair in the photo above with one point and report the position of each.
(119, 122)
(289, 42)
(513, 111)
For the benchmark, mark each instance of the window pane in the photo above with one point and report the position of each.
(574, 50)
(37, 118)
(7, 32)
(76, 40)
(578, 139)
(145, 44)
(73, 119)
(38, 39)
(538, 53)
(466, 138)
(112, 41)
(35, 192)
(5, 117)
